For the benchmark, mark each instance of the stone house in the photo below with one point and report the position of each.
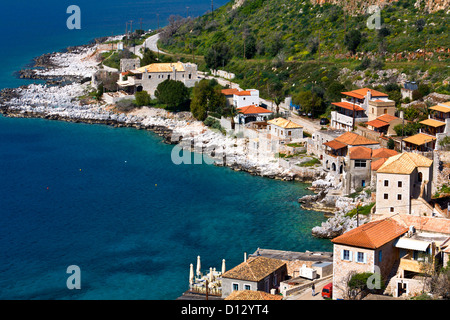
(404, 185)
(256, 273)
(384, 124)
(285, 129)
(425, 247)
(408, 89)
(360, 105)
(251, 113)
(367, 248)
(147, 78)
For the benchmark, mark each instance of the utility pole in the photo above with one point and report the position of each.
(206, 287)
(131, 26)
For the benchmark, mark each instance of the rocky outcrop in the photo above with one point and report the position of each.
(362, 6)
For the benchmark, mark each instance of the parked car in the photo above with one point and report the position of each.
(323, 121)
(327, 291)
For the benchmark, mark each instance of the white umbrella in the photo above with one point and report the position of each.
(223, 266)
(191, 274)
(198, 266)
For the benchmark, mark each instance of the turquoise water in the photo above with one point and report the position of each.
(111, 201)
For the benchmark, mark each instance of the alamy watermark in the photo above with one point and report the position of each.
(74, 280)
(374, 21)
(74, 20)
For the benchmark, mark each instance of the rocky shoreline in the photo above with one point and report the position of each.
(68, 76)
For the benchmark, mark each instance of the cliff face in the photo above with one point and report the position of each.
(361, 6)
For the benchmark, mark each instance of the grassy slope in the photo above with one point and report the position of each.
(296, 24)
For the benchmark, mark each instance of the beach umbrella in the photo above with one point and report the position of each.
(223, 266)
(191, 274)
(198, 266)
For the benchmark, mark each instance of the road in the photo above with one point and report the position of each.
(307, 294)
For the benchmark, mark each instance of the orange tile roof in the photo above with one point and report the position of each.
(361, 93)
(229, 92)
(383, 153)
(372, 235)
(404, 163)
(243, 93)
(283, 123)
(253, 110)
(387, 118)
(360, 153)
(252, 295)
(348, 106)
(375, 165)
(422, 223)
(354, 139)
(336, 145)
(419, 139)
(254, 269)
(377, 123)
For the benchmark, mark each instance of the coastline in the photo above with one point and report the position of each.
(68, 74)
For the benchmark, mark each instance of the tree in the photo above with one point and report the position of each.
(358, 285)
(218, 56)
(148, 57)
(142, 98)
(352, 40)
(172, 93)
(391, 144)
(207, 97)
(309, 102)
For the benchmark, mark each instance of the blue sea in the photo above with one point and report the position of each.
(110, 200)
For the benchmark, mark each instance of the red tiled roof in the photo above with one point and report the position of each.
(336, 145)
(361, 93)
(377, 123)
(360, 153)
(372, 235)
(383, 153)
(253, 110)
(243, 93)
(348, 106)
(354, 139)
(229, 92)
(387, 118)
(375, 165)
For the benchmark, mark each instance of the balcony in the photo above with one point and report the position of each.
(347, 120)
(408, 263)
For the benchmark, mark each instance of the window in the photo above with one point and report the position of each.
(386, 196)
(289, 133)
(399, 197)
(386, 183)
(360, 163)
(235, 286)
(380, 255)
(361, 257)
(363, 183)
(400, 184)
(247, 287)
(275, 279)
(346, 255)
(392, 209)
(385, 111)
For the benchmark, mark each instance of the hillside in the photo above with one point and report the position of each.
(284, 47)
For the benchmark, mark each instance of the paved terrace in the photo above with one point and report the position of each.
(292, 256)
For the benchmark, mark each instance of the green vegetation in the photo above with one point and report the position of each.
(173, 93)
(309, 163)
(207, 97)
(364, 210)
(285, 48)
